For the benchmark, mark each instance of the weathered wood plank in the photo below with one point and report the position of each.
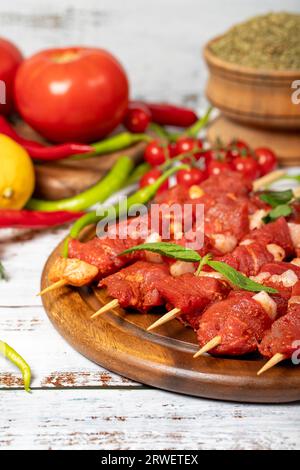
(54, 363)
(24, 254)
(140, 419)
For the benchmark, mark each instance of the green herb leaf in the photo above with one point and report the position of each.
(167, 249)
(238, 279)
(203, 262)
(3, 275)
(280, 211)
(179, 252)
(277, 198)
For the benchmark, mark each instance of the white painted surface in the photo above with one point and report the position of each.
(159, 43)
(140, 419)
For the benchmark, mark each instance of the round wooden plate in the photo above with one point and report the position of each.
(118, 341)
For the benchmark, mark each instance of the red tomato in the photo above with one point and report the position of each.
(207, 157)
(190, 177)
(151, 177)
(10, 59)
(236, 148)
(267, 160)
(217, 167)
(137, 118)
(188, 144)
(155, 154)
(172, 149)
(72, 94)
(247, 166)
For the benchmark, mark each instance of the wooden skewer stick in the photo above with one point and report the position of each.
(208, 346)
(55, 285)
(278, 357)
(112, 304)
(165, 318)
(267, 179)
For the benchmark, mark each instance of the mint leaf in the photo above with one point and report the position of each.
(280, 211)
(171, 250)
(277, 198)
(179, 252)
(203, 262)
(238, 279)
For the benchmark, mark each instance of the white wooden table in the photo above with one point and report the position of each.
(75, 404)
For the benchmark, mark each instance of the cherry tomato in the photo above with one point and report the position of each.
(190, 177)
(137, 118)
(216, 167)
(72, 94)
(266, 159)
(188, 144)
(172, 149)
(248, 166)
(150, 177)
(219, 155)
(207, 157)
(155, 154)
(10, 59)
(236, 148)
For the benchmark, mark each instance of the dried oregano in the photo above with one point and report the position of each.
(270, 42)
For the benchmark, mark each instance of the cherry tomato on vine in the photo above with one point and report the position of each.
(172, 149)
(266, 159)
(207, 157)
(137, 118)
(190, 177)
(236, 148)
(216, 167)
(248, 166)
(155, 153)
(188, 144)
(150, 177)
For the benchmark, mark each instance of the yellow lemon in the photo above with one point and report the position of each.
(16, 174)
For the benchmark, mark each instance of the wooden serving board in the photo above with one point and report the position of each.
(65, 178)
(118, 341)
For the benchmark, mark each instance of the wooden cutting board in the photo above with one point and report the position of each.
(65, 178)
(118, 341)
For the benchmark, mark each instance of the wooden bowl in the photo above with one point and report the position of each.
(257, 97)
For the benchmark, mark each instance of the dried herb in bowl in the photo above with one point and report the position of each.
(269, 42)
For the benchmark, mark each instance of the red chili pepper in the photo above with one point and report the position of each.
(170, 115)
(39, 151)
(35, 219)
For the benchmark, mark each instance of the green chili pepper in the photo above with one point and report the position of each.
(111, 183)
(15, 358)
(3, 275)
(194, 130)
(160, 131)
(142, 196)
(137, 173)
(114, 144)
